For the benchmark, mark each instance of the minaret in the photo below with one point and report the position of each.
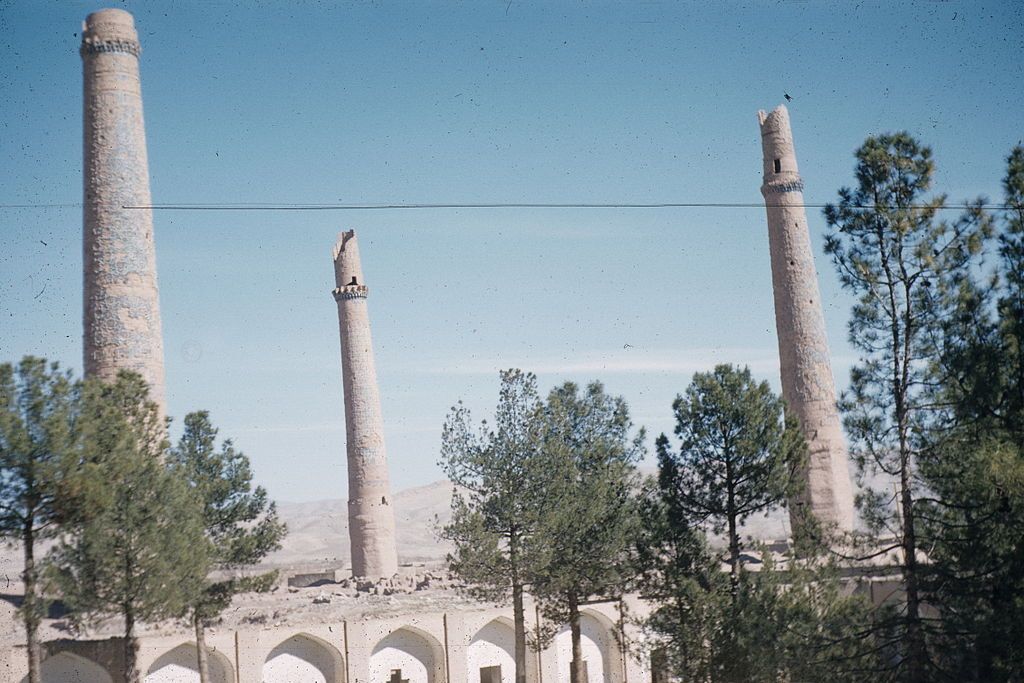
(371, 520)
(122, 306)
(807, 384)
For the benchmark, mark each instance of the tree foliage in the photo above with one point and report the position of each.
(680, 573)
(499, 474)
(590, 521)
(977, 512)
(736, 457)
(38, 446)
(134, 546)
(900, 260)
(241, 524)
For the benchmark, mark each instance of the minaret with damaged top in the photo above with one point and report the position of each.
(371, 519)
(807, 384)
(121, 317)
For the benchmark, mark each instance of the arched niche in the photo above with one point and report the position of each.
(304, 659)
(600, 647)
(494, 645)
(65, 667)
(410, 653)
(180, 665)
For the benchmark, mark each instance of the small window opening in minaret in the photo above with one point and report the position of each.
(778, 165)
(383, 500)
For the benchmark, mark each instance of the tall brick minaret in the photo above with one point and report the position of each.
(122, 307)
(371, 519)
(807, 384)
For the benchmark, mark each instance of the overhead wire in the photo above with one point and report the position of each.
(257, 206)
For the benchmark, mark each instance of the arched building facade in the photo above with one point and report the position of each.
(464, 645)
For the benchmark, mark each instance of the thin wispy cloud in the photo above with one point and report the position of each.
(684, 362)
(289, 428)
(324, 428)
(630, 360)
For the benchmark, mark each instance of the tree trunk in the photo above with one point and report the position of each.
(734, 536)
(201, 660)
(577, 667)
(519, 626)
(916, 651)
(30, 609)
(131, 648)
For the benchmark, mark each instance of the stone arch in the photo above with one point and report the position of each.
(66, 667)
(601, 648)
(179, 665)
(416, 653)
(304, 658)
(493, 645)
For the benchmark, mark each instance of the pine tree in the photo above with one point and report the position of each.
(977, 510)
(682, 576)
(894, 253)
(241, 524)
(499, 473)
(134, 546)
(736, 457)
(38, 445)
(591, 519)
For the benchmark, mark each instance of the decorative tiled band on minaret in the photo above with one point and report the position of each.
(121, 301)
(371, 519)
(807, 384)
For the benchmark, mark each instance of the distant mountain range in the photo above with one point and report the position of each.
(318, 531)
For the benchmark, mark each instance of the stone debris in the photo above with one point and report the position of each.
(399, 584)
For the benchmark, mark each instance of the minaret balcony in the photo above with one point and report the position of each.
(777, 187)
(351, 292)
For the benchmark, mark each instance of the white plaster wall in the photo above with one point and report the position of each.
(403, 650)
(493, 645)
(68, 668)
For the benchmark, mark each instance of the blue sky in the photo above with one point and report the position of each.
(392, 102)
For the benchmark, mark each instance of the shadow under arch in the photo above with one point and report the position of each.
(417, 653)
(304, 658)
(494, 644)
(615, 661)
(180, 665)
(600, 642)
(67, 667)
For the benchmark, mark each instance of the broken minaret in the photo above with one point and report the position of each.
(371, 520)
(122, 307)
(807, 384)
